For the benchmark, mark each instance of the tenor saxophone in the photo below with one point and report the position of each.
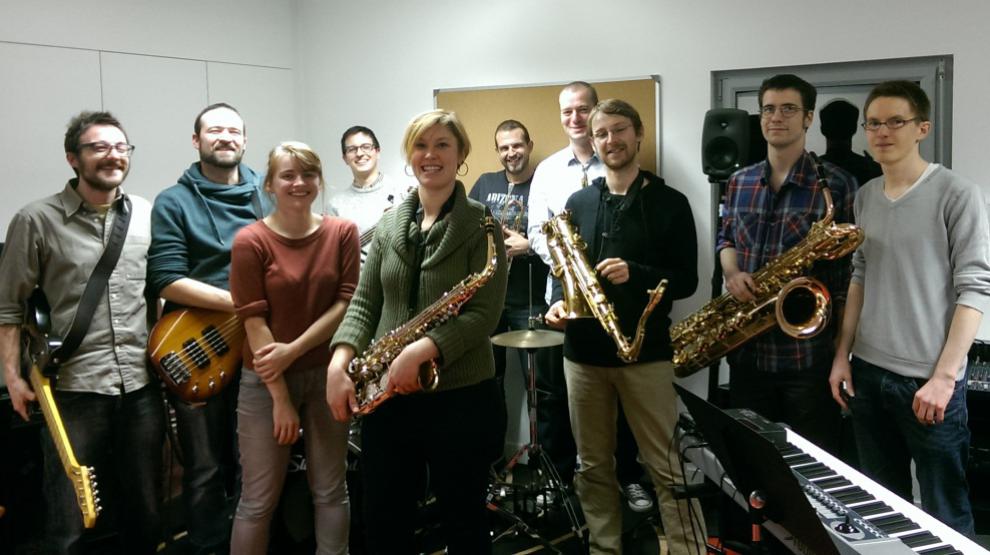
(799, 305)
(583, 294)
(370, 370)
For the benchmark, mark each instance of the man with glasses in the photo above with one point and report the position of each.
(770, 207)
(371, 192)
(193, 226)
(920, 286)
(559, 175)
(638, 231)
(110, 406)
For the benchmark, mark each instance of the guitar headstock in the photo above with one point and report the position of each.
(87, 495)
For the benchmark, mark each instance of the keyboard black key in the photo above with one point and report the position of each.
(875, 508)
(945, 550)
(832, 483)
(919, 539)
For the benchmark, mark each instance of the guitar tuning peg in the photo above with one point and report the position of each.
(99, 509)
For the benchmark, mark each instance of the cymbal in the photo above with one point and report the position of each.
(529, 339)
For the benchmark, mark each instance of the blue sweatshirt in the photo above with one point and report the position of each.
(193, 224)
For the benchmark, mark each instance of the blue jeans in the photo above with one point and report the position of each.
(121, 438)
(206, 435)
(889, 436)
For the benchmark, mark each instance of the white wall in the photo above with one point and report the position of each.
(377, 62)
(155, 65)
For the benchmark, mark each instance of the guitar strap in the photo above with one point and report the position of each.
(95, 287)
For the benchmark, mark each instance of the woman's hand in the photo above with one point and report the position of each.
(271, 360)
(341, 396)
(403, 373)
(286, 421)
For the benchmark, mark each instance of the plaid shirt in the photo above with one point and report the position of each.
(761, 224)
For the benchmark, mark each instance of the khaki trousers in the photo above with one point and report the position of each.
(650, 404)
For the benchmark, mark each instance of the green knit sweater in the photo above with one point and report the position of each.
(455, 246)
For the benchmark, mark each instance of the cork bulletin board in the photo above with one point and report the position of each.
(537, 107)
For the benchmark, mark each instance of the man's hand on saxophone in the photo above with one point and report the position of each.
(555, 316)
(615, 270)
(341, 395)
(739, 284)
(403, 372)
(515, 243)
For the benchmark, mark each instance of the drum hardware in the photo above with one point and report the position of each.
(548, 482)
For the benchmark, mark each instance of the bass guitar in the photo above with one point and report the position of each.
(196, 352)
(37, 344)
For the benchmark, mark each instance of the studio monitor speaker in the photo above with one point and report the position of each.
(724, 142)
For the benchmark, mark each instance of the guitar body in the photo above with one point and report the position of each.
(196, 352)
(36, 348)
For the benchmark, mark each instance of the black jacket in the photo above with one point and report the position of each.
(652, 229)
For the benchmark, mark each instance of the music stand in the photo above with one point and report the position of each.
(552, 486)
(755, 466)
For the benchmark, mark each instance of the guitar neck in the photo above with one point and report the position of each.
(83, 478)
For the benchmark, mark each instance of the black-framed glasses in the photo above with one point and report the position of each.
(102, 148)
(366, 148)
(892, 123)
(786, 110)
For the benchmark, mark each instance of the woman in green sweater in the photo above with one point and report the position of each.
(423, 248)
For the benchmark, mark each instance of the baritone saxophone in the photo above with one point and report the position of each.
(583, 294)
(370, 370)
(800, 305)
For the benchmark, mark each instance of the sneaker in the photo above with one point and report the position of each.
(637, 497)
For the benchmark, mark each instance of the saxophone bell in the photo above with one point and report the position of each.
(803, 308)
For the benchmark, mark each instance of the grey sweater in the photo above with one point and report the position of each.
(924, 253)
(455, 246)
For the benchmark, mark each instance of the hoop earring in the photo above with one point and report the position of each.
(407, 170)
(464, 164)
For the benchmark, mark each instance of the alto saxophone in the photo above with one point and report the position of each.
(799, 305)
(370, 370)
(583, 295)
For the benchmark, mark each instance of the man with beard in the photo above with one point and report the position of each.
(506, 194)
(193, 224)
(770, 207)
(562, 173)
(638, 231)
(109, 405)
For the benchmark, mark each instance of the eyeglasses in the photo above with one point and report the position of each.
(786, 110)
(892, 123)
(366, 148)
(603, 134)
(102, 148)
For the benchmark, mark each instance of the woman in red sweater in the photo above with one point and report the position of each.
(292, 276)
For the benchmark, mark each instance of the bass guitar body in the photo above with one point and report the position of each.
(196, 352)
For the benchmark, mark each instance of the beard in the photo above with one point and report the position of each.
(90, 173)
(624, 159)
(230, 160)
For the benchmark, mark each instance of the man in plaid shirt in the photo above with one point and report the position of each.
(770, 207)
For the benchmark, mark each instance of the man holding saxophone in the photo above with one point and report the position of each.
(506, 194)
(770, 207)
(639, 233)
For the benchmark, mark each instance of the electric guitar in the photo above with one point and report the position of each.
(196, 352)
(37, 344)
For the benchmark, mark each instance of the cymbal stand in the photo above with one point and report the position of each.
(553, 487)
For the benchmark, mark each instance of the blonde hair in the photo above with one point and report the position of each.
(306, 157)
(425, 121)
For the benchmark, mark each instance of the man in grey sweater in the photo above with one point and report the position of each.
(920, 285)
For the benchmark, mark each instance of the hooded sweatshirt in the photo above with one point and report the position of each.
(193, 224)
